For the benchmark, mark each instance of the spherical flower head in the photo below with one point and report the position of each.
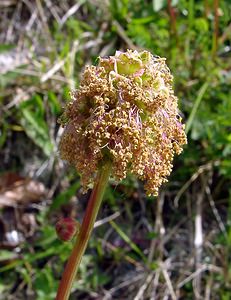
(124, 111)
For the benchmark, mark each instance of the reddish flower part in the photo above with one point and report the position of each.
(124, 111)
(67, 228)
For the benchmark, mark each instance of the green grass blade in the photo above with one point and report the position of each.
(200, 96)
(128, 241)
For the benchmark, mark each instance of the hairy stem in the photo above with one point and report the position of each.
(84, 233)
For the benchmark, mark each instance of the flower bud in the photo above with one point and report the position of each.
(67, 228)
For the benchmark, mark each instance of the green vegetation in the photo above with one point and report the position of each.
(142, 248)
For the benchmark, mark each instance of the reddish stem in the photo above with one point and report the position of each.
(216, 27)
(172, 15)
(84, 233)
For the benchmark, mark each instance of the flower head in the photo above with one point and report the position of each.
(67, 228)
(124, 111)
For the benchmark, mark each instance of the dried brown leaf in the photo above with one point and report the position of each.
(16, 190)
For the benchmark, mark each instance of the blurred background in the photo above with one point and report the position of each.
(176, 246)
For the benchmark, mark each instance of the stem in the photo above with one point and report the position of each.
(84, 233)
(216, 28)
(172, 15)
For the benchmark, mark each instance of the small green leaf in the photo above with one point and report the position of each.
(54, 103)
(7, 255)
(33, 122)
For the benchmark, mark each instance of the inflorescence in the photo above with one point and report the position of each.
(124, 111)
